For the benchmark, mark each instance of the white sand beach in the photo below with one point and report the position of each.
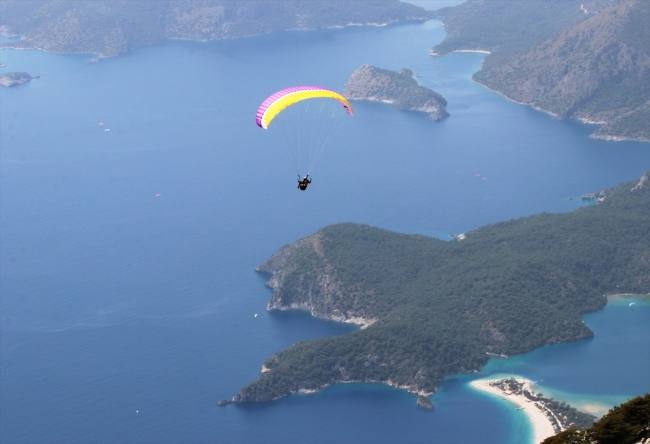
(542, 426)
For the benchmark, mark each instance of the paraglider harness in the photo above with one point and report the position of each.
(302, 184)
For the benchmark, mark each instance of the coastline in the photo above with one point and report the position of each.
(432, 53)
(555, 116)
(627, 295)
(480, 51)
(512, 100)
(542, 426)
(237, 399)
(27, 45)
(583, 120)
(619, 138)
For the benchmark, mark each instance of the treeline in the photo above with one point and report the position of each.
(441, 307)
(569, 416)
(632, 126)
(628, 423)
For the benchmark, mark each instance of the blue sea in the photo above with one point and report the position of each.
(128, 295)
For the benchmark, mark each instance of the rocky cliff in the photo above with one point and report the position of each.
(399, 89)
(315, 292)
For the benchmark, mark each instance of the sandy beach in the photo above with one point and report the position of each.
(542, 426)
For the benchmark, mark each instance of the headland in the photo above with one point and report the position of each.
(440, 308)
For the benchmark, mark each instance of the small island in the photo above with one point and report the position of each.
(399, 89)
(15, 78)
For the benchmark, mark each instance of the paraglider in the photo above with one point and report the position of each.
(302, 184)
(307, 117)
(631, 304)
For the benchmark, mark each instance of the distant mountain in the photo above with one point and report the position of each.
(587, 60)
(430, 308)
(397, 88)
(112, 27)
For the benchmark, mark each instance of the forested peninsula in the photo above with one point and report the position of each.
(430, 308)
(110, 28)
(575, 59)
(397, 88)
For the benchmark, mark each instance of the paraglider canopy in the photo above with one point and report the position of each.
(272, 106)
(307, 119)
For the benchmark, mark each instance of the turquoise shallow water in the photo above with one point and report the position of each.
(114, 300)
(592, 375)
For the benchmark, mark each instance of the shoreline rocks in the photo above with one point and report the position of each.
(598, 195)
(425, 402)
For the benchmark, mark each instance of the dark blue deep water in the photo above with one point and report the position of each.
(114, 300)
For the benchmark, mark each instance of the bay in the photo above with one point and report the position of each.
(114, 300)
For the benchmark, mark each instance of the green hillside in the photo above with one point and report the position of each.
(437, 308)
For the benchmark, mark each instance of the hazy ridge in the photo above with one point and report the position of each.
(114, 27)
(573, 59)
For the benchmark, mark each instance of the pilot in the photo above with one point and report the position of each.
(302, 184)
